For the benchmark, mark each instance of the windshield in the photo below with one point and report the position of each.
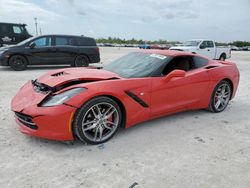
(25, 41)
(192, 43)
(136, 65)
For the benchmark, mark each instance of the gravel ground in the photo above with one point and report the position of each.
(189, 149)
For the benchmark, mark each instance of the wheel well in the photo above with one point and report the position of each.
(83, 55)
(231, 85)
(121, 107)
(15, 55)
(223, 54)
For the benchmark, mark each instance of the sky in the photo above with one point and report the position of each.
(172, 20)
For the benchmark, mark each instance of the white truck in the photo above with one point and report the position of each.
(206, 48)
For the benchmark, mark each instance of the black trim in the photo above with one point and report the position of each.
(26, 120)
(137, 99)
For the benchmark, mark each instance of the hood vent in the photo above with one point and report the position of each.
(58, 74)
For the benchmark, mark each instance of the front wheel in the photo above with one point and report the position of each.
(18, 63)
(97, 120)
(220, 97)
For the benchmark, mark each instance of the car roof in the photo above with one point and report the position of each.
(13, 23)
(63, 35)
(172, 53)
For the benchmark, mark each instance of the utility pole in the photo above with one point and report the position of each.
(40, 31)
(36, 26)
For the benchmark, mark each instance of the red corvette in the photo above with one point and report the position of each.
(91, 104)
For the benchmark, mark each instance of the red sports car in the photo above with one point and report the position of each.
(91, 104)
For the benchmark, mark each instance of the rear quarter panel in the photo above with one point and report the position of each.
(225, 70)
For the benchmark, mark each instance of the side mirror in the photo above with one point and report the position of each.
(32, 45)
(175, 74)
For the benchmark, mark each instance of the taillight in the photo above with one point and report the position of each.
(97, 50)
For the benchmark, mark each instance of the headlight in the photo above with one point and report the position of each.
(62, 97)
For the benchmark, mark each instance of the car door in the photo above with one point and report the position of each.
(66, 51)
(42, 53)
(207, 49)
(178, 93)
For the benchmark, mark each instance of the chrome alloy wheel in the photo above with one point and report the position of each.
(100, 122)
(222, 96)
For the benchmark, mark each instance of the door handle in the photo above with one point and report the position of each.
(208, 50)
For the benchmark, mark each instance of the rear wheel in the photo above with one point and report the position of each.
(220, 97)
(97, 120)
(222, 57)
(18, 63)
(81, 61)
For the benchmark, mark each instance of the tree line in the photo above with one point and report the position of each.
(116, 40)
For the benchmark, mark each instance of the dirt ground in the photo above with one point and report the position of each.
(189, 149)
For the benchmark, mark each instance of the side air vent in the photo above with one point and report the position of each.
(136, 99)
(211, 67)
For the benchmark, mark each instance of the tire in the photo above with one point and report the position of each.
(18, 62)
(97, 120)
(81, 61)
(220, 97)
(222, 57)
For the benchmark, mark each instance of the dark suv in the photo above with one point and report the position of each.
(51, 50)
(12, 33)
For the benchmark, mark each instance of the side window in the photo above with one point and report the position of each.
(204, 44)
(210, 44)
(181, 63)
(199, 62)
(64, 41)
(17, 29)
(4, 28)
(85, 41)
(44, 41)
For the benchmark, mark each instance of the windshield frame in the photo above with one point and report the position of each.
(27, 41)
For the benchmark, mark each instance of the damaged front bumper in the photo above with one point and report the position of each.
(46, 122)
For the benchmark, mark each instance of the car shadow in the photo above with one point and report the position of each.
(122, 132)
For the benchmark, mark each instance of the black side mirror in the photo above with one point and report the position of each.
(32, 45)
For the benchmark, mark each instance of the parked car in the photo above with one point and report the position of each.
(206, 48)
(51, 50)
(234, 48)
(91, 104)
(144, 46)
(12, 33)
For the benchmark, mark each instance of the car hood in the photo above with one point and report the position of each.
(8, 47)
(75, 75)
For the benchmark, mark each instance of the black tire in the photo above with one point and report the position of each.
(88, 125)
(81, 61)
(222, 57)
(18, 62)
(213, 105)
